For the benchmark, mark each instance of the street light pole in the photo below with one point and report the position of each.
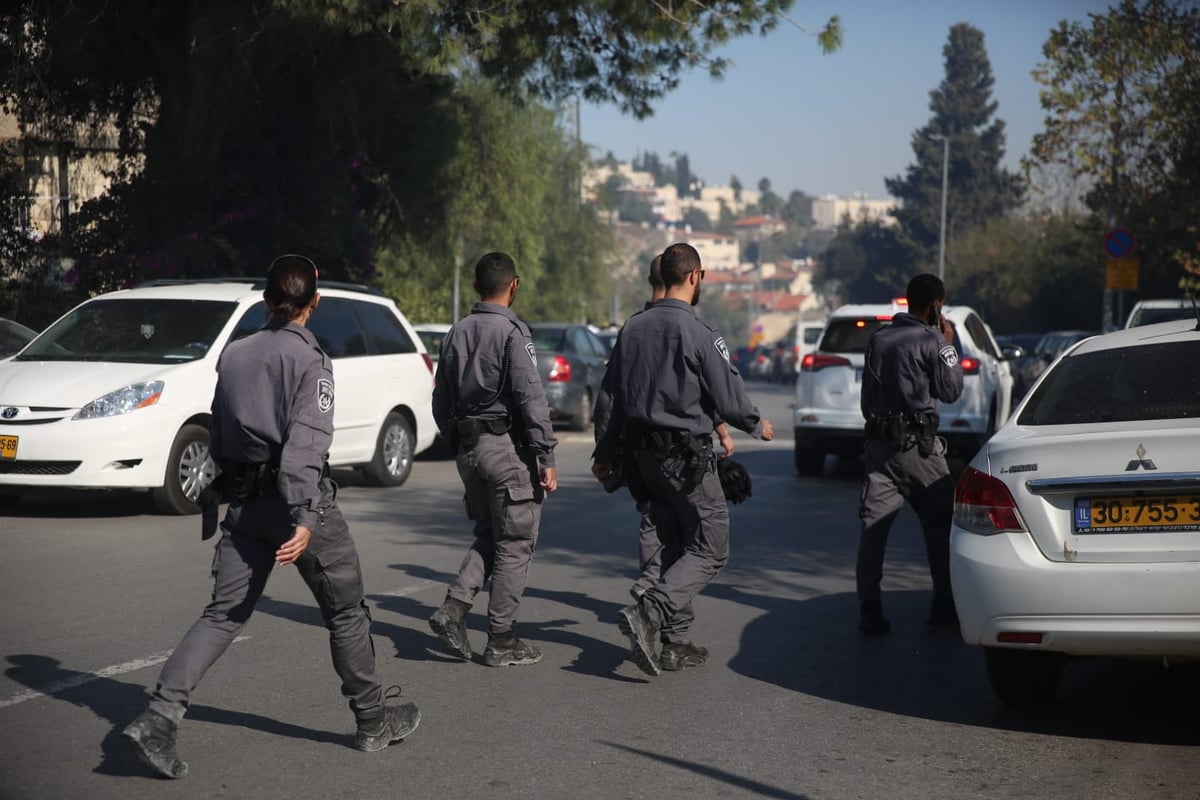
(945, 140)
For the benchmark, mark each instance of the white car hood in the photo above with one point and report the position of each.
(72, 384)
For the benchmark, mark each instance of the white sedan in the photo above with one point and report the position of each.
(1077, 528)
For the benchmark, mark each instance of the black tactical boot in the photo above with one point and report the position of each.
(871, 621)
(153, 739)
(943, 613)
(677, 656)
(390, 726)
(449, 622)
(507, 649)
(635, 623)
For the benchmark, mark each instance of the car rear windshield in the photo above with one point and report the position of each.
(549, 339)
(1148, 315)
(850, 334)
(142, 331)
(1147, 382)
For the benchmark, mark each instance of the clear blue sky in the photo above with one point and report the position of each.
(839, 123)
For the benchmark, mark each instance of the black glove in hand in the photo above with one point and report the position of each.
(735, 480)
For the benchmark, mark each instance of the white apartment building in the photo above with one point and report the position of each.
(718, 251)
(829, 211)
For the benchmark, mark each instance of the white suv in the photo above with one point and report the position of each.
(828, 414)
(117, 393)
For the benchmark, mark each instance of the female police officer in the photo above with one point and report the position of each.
(272, 423)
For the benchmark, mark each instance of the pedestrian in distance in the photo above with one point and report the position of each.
(489, 402)
(669, 375)
(909, 365)
(649, 545)
(272, 424)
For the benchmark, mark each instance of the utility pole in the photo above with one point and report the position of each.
(945, 140)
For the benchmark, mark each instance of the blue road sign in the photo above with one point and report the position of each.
(1119, 243)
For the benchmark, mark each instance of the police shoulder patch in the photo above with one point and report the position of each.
(722, 348)
(950, 356)
(532, 353)
(324, 395)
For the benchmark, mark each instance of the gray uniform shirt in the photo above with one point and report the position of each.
(469, 372)
(671, 370)
(908, 367)
(274, 404)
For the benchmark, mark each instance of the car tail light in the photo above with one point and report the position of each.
(970, 365)
(428, 362)
(1020, 637)
(984, 505)
(560, 370)
(815, 361)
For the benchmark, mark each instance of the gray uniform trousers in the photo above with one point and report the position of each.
(244, 557)
(897, 473)
(650, 549)
(505, 501)
(693, 526)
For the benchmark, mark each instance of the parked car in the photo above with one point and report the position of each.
(571, 361)
(1148, 312)
(800, 340)
(608, 339)
(13, 336)
(828, 415)
(1077, 528)
(1030, 366)
(117, 393)
(431, 335)
(760, 365)
(1013, 346)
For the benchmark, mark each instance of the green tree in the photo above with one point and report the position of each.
(979, 188)
(697, 219)
(865, 263)
(1122, 101)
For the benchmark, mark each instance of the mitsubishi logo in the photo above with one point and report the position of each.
(1141, 462)
(8, 413)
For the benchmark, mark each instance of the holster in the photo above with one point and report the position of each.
(903, 428)
(241, 482)
(466, 432)
(694, 453)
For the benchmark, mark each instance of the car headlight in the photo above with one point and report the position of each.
(122, 401)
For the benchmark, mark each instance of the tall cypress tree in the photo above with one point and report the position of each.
(979, 189)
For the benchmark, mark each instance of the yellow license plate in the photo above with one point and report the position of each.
(8, 447)
(1137, 514)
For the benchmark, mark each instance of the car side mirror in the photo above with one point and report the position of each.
(1011, 352)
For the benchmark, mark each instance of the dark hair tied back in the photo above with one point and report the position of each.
(291, 285)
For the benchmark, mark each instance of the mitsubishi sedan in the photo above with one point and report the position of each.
(1077, 527)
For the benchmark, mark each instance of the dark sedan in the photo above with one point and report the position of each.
(571, 360)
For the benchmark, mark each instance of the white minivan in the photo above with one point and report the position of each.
(118, 392)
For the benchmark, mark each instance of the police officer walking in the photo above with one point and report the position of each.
(909, 365)
(649, 545)
(668, 376)
(272, 423)
(489, 402)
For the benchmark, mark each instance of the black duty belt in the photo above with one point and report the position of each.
(898, 426)
(474, 428)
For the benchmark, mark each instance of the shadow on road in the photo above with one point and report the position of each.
(758, 788)
(812, 646)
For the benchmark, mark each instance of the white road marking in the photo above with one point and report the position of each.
(157, 658)
(88, 677)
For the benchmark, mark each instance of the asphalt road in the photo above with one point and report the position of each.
(95, 591)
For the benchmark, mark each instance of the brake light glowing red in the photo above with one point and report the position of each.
(560, 370)
(815, 361)
(970, 365)
(983, 504)
(428, 362)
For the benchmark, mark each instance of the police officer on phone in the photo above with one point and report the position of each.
(909, 365)
(489, 402)
(272, 423)
(669, 375)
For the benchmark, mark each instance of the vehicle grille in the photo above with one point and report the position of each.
(38, 467)
(8, 422)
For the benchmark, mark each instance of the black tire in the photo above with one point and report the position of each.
(394, 448)
(810, 461)
(189, 470)
(583, 419)
(1023, 678)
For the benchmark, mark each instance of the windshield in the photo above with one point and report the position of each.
(548, 339)
(142, 331)
(433, 342)
(1148, 382)
(1148, 315)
